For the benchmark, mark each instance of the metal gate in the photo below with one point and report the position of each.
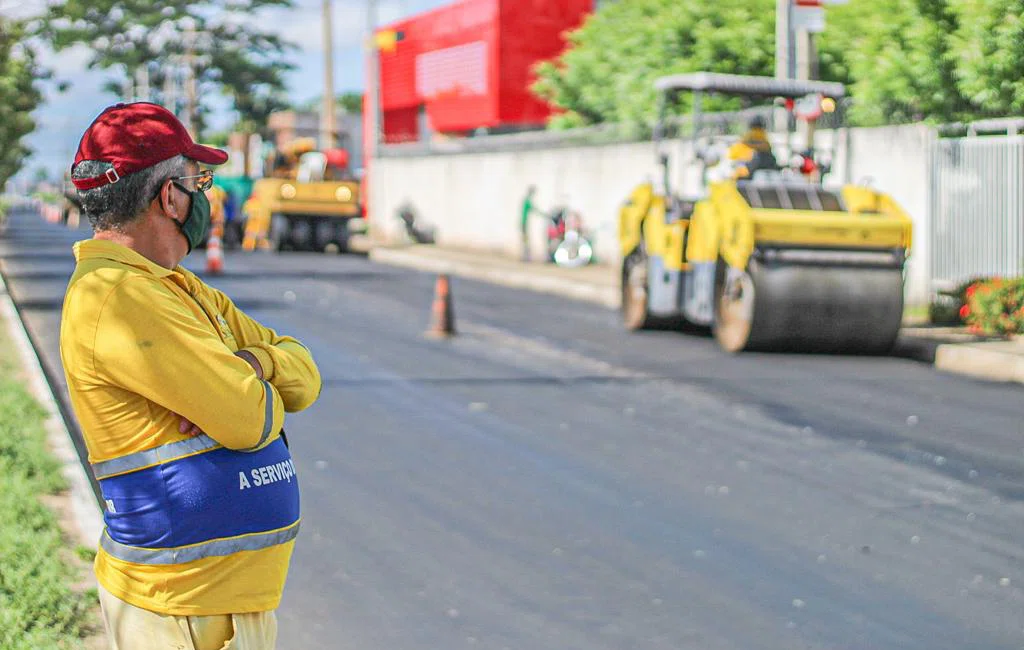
(977, 208)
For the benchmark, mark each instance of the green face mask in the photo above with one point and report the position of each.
(197, 225)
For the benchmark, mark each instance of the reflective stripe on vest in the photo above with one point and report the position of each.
(213, 548)
(179, 449)
(155, 456)
(268, 415)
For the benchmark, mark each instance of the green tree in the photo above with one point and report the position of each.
(903, 60)
(223, 40)
(899, 58)
(608, 70)
(256, 88)
(990, 41)
(351, 101)
(19, 96)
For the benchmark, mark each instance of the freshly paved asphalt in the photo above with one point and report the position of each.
(547, 481)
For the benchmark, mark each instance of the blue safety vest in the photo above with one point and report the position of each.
(192, 499)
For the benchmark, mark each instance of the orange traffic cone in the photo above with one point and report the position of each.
(443, 324)
(214, 255)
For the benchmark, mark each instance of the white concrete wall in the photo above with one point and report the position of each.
(896, 160)
(474, 199)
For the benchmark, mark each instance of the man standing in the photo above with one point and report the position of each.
(524, 224)
(181, 398)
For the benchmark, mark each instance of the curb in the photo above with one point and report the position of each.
(916, 348)
(960, 358)
(89, 522)
(979, 362)
(604, 296)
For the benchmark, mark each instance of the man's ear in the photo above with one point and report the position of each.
(167, 200)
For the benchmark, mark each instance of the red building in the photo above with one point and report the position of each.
(469, 65)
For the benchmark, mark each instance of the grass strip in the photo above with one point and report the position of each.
(39, 607)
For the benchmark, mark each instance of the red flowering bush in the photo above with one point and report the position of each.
(950, 307)
(995, 306)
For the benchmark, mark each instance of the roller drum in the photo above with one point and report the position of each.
(813, 308)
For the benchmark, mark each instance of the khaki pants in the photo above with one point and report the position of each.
(132, 628)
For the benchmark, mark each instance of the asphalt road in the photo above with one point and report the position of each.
(547, 481)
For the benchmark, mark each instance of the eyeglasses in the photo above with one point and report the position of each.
(204, 180)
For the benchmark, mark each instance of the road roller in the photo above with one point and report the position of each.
(762, 250)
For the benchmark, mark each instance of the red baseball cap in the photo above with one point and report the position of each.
(132, 137)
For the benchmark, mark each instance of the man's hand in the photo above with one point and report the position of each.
(186, 427)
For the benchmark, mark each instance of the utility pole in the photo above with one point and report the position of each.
(142, 83)
(170, 93)
(373, 116)
(783, 55)
(806, 56)
(327, 128)
(190, 81)
(783, 39)
(806, 70)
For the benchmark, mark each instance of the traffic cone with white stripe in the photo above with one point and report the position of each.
(214, 255)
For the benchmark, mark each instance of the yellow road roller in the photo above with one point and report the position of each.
(760, 250)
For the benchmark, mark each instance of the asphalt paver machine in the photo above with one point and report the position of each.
(763, 253)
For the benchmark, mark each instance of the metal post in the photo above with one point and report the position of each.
(170, 93)
(190, 81)
(695, 153)
(142, 83)
(373, 115)
(783, 55)
(783, 39)
(806, 71)
(327, 127)
(660, 134)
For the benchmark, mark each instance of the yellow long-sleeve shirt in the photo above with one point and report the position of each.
(195, 526)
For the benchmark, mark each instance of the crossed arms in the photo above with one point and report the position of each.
(148, 342)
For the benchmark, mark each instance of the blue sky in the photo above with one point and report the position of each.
(63, 117)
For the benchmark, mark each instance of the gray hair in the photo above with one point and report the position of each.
(115, 205)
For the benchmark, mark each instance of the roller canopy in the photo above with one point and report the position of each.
(747, 85)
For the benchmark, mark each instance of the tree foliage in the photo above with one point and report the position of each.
(990, 40)
(352, 102)
(349, 101)
(607, 73)
(899, 58)
(903, 60)
(232, 50)
(19, 96)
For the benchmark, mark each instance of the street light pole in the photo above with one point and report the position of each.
(191, 99)
(142, 83)
(373, 116)
(783, 48)
(327, 128)
(806, 70)
(783, 39)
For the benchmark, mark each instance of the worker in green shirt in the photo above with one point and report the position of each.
(524, 226)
